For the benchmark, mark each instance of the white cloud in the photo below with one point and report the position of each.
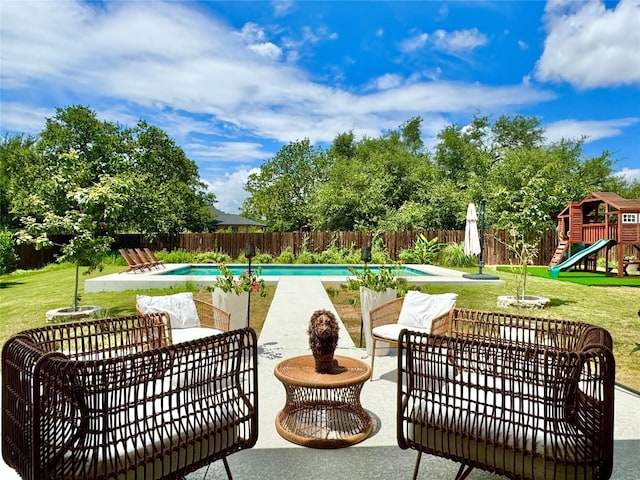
(267, 49)
(523, 45)
(256, 40)
(23, 118)
(414, 43)
(591, 129)
(227, 151)
(459, 40)
(229, 189)
(390, 80)
(282, 7)
(252, 33)
(591, 46)
(191, 74)
(629, 174)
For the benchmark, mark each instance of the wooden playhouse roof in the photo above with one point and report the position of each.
(613, 199)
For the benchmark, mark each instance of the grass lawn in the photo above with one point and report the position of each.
(26, 296)
(584, 278)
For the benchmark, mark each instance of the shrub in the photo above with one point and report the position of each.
(8, 258)
(285, 256)
(210, 257)
(259, 258)
(335, 255)
(177, 256)
(452, 255)
(424, 251)
(263, 258)
(385, 277)
(306, 257)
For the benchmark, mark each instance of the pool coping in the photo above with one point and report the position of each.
(152, 279)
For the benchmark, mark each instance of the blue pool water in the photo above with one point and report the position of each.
(286, 270)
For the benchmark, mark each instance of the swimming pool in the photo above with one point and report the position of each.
(175, 275)
(269, 270)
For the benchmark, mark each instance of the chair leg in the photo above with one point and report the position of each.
(417, 465)
(463, 472)
(373, 356)
(227, 469)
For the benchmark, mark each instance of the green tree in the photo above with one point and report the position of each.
(169, 196)
(16, 155)
(527, 190)
(164, 192)
(85, 214)
(392, 183)
(281, 190)
(630, 189)
(410, 134)
(377, 186)
(466, 155)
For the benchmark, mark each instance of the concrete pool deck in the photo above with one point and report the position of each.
(142, 280)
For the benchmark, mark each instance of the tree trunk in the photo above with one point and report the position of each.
(75, 290)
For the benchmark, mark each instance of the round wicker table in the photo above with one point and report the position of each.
(323, 410)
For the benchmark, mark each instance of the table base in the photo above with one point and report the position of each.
(324, 426)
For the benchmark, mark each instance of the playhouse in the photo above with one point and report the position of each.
(600, 221)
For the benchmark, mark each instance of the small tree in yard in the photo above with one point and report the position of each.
(81, 211)
(526, 222)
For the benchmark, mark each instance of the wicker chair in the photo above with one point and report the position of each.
(386, 320)
(113, 399)
(191, 318)
(519, 396)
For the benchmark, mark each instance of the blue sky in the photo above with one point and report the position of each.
(234, 81)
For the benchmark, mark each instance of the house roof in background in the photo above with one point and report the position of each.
(230, 220)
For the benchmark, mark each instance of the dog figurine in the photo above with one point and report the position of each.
(323, 339)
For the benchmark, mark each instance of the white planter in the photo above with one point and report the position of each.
(370, 299)
(236, 305)
(68, 313)
(529, 301)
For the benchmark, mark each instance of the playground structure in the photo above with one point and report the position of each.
(602, 220)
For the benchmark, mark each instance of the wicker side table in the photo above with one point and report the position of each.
(323, 410)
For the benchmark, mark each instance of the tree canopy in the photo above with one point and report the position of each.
(145, 181)
(393, 183)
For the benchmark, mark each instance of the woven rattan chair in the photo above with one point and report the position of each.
(386, 320)
(114, 399)
(191, 317)
(523, 397)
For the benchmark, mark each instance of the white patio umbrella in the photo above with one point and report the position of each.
(471, 237)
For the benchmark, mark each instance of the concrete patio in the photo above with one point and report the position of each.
(377, 457)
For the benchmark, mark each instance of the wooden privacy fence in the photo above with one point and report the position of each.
(274, 243)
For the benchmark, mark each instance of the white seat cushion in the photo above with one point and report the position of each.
(419, 309)
(194, 333)
(180, 306)
(391, 331)
(490, 408)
